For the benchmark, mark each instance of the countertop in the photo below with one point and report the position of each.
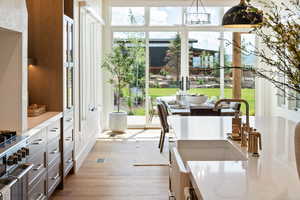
(272, 176)
(202, 128)
(36, 124)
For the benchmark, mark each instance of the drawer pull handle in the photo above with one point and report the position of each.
(41, 195)
(69, 138)
(55, 151)
(54, 130)
(69, 120)
(37, 142)
(69, 161)
(38, 168)
(55, 177)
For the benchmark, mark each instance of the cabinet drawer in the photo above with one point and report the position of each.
(37, 144)
(68, 141)
(53, 131)
(68, 162)
(39, 167)
(39, 192)
(68, 120)
(53, 151)
(54, 177)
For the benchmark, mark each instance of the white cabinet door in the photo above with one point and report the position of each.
(89, 78)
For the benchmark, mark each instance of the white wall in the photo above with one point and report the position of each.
(267, 98)
(13, 66)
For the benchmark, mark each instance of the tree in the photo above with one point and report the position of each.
(121, 64)
(173, 56)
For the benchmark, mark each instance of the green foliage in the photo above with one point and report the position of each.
(280, 33)
(173, 57)
(124, 63)
(247, 94)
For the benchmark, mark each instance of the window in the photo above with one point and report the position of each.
(281, 96)
(294, 100)
(212, 14)
(165, 16)
(173, 51)
(124, 16)
(204, 69)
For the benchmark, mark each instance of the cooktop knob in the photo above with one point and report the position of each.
(18, 156)
(10, 161)
(22, 153)
(26, 150)
(15, 159)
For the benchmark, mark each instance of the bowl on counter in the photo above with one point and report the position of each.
(196, 99)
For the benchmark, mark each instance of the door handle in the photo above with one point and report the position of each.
(25, 171)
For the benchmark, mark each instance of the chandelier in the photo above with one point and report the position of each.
(196, 14)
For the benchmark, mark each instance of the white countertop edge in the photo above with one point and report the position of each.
(32, 131)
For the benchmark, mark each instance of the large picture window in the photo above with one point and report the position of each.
(175, 50)
(124, 16)
(165, 16)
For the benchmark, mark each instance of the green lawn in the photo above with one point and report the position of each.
(247, 94)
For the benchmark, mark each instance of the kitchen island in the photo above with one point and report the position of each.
(273, 175)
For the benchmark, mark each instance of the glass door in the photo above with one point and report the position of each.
(133, 96)
(164, 69)
(204, 63)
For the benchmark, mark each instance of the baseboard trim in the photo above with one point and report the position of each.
(83, 154)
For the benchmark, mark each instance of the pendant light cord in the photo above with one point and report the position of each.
(202, 5)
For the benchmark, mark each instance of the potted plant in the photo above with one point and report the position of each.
(120, 63)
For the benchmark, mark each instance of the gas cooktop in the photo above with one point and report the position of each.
(10, 139)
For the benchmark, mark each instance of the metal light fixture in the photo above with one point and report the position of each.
(197, 18)
(31, 61)
(242, 15)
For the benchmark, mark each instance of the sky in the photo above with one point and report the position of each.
(173, 16)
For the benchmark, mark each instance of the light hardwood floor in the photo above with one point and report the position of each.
(116, 178)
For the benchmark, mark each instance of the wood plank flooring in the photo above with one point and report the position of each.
(108, 174)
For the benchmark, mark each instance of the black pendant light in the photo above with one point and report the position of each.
(242, 15)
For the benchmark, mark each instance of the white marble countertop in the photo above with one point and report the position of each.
(272, 176)
(36, 124)
(202, 127)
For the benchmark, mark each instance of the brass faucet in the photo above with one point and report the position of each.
(237, 129)
(235, 101)
(254, 141)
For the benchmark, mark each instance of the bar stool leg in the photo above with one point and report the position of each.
(162, 142)
(161, 133)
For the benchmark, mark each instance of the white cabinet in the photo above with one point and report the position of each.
(89, 80)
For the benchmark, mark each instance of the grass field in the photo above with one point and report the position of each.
(247, 94)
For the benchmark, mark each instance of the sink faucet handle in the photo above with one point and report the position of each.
(259, 139)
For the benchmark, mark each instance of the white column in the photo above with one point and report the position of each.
(147, 74)
(184, 66)
(222, 65)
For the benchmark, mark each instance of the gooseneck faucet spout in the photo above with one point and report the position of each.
(235, 101)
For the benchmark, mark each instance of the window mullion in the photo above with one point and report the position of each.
(147, 16)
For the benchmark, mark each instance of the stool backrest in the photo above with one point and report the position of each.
(163, 117)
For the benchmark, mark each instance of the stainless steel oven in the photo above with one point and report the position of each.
(15, 185)
(14, 168)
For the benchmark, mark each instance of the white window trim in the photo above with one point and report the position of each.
(182, 29)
